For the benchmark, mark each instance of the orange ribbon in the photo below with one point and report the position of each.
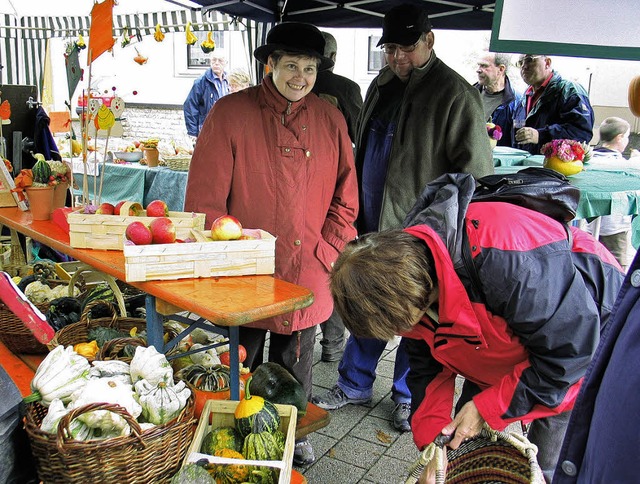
(22, 181)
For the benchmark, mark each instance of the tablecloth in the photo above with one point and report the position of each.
(137, 183)
(506, 156)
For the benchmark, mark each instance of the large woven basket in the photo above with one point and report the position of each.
(178, 162)
(152, 456)
(493, 457)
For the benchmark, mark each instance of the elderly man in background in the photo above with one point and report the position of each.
(551, 108)
(206, 90)
(498, 96)
(420, 119)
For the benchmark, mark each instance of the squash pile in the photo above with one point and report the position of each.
(66, 380)
(256, 436)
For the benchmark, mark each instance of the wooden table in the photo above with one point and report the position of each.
(227, 302)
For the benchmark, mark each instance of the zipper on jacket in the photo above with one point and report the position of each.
(287, 112)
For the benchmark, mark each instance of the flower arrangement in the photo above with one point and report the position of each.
(564, 149)
(494, 131)
(59, 172)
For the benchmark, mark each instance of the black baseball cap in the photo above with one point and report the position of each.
(404, 24)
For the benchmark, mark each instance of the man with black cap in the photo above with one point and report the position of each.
(281, 160)
(420, 119)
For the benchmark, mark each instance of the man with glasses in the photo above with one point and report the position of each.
(552, 107)
(420, 119)
(498, 96)
(206, 90)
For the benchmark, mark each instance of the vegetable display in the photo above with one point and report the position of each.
(274, 383)
(254, 414)
(221, 438)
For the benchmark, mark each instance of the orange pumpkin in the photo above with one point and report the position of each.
(202, 396)
(297, 478)
(634, 96)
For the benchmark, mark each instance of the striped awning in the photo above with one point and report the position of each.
(23, 40)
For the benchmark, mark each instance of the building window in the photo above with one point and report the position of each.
(376, 56)
(195, 56)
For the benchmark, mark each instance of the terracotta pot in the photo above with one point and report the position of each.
(151, 155)
(60, 195)
(40, 202)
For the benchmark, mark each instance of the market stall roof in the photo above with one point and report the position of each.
(444, 14)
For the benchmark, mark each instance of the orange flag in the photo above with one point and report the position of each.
(100, 34)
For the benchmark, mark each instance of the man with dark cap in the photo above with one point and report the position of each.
(420, 119)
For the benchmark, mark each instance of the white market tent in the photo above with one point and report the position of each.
(26, 26)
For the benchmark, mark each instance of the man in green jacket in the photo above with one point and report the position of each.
(420, 119)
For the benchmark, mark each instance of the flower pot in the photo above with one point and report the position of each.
(151, 155)
(60, 195)
(40, 202)
(567, 168)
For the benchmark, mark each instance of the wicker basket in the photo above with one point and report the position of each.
(154, 455)
(79, 332)
(492, 457)
(178, 162)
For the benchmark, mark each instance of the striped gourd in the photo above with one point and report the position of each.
(41, 171)
(254, 414)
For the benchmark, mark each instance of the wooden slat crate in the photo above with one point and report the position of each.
(204, 258)
(219, 413)
(92, 231)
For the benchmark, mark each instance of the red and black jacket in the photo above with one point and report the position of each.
(527, 335)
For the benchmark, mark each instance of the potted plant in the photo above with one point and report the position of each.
(566, 156)
(40, 190)
(151, 153)
(61, 179)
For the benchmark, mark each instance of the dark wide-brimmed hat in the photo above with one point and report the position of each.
(294, 38)
(404, 24)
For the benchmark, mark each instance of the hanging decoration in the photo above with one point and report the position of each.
(209, 44)
(100, 39)
(191, 38)
(139, 58)
(72, 66)
(158, 35)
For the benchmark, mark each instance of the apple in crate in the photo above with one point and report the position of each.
(226, 227)
(163, 230)
(116, 209)
(138, 233)
(157, 208)
(105, 209)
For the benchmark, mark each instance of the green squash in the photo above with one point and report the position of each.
(273, 382)
(262, 446)
(221, 438)
(192, 474)
(254, 414)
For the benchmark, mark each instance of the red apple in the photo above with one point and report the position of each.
(116, 210)
(157, 208)
(226, 227)
(163, 230)
(105, 209)
(138, 233)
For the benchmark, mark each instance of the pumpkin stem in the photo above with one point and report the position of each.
(247, 393)
(34, 397)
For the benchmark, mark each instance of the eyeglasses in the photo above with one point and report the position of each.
(391, 49)
(528, 59)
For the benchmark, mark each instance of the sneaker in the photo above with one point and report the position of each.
(303, 452)
(401, 417)
(336, 398)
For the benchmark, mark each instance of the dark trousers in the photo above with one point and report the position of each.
(294, 352)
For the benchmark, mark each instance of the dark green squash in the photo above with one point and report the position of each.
(273, 382)
(254, 414)
(192, 474)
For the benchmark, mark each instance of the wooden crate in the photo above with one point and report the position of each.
(204, 258)
(92, 231)
(219, 413)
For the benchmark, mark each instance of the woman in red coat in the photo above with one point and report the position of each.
(279, 158)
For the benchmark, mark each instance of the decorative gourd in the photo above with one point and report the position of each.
(151, 365)
(255, 414)
(280, 439)
(162, 402)
(214, 379)
(102, 292)
(230, 473)
(41, 171)
(274, 383)
(634, 96)
(261, 446)
(221, 438)
(192, 474)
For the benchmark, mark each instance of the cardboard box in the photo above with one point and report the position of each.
(93, 231)
(203, 258)
(219, 413)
